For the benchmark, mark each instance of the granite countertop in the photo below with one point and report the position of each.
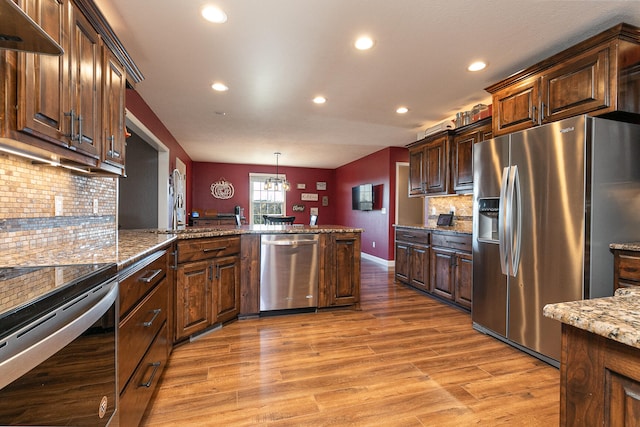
(135, 245)
(230, 230)
(455, 228)
(616, 317)
(631, 246)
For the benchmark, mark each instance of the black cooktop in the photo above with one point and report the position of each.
(29, 292)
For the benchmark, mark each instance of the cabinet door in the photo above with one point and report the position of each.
(193, 302)
(463, 279)
(436, 158)
(402, 262)
(417, 171)
(226, 285)
(113, 121)
(85, 73)
(42, 78)
(516, 107)
(577, 86)
(419, 266)
(442, 272)
(345, 285)
(462, 160)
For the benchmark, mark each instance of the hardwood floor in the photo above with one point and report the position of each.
(403, 360)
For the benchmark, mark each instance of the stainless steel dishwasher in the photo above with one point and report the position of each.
(288, 271)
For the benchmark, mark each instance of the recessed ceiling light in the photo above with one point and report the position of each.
(402, 110)
(477, 66)
(220, 87)
(214, 14)
(319, 100)
(364, 43)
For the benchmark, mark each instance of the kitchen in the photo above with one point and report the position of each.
(81, 212)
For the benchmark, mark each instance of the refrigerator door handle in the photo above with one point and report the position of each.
(503, 220)
(515, 240)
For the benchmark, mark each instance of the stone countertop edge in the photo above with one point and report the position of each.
(631, 246)
(136, 245)
(616, 318)
(451, 229)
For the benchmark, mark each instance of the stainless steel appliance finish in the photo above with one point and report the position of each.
(58, 350)
(547, 204)
(288, 271)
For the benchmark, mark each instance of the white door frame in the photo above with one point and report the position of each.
(163, 211)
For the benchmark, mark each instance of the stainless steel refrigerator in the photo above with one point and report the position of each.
(548, 201)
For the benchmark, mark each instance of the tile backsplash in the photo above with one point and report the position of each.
(49, 215)
(462, 204)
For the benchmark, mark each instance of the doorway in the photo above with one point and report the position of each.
(409, 210)
(143, 195)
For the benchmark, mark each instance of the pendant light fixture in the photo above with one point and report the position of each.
(277, 182)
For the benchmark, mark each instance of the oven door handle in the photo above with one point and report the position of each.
(28, 347)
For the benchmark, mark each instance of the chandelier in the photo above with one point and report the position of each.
(276, 182)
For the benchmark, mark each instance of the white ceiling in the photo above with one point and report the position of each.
(276, 55)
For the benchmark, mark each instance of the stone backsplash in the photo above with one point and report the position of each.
(462, 205)
(30, 231)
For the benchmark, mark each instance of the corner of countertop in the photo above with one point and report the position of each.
(629, 246)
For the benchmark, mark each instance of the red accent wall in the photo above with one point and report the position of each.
(377, 168)
(204, 174)
(141, 110)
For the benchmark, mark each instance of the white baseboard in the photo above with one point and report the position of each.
(378, 260)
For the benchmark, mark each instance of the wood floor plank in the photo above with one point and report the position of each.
(403, 359)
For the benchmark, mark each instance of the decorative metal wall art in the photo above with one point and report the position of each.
(222, 189)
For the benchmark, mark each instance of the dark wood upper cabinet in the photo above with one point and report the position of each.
(598, 76)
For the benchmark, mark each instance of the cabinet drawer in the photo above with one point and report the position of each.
(134, 287)
(412, 235)
(629, 267)
(197, 249)
(461, 242)
(139, 328)
(134, 398)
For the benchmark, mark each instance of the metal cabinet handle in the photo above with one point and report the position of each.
(156, 313)
(217, 271)
(150, 276)
(533, 116)
(210, 272)
(456, 242)
(542, 108)
(175, 259)
(80, 137)
(155, 366)
(112, 152)
(206, 250)
(71, 135)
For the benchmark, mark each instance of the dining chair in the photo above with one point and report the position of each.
(279, 219)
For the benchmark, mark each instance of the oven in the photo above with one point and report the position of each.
(58, 345)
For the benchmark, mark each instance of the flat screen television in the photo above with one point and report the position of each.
(362, 197)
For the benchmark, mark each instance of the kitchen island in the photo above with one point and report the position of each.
(216, 270)
(600, 362)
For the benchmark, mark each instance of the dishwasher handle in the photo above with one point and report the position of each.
(290, 242)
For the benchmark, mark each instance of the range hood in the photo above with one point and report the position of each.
(19, 32)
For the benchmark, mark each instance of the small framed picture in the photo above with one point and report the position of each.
(310, 197)
(301, 186)
(320, 185)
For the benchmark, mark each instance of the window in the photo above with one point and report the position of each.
(265, 202)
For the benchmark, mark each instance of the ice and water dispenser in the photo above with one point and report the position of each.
(488, 210)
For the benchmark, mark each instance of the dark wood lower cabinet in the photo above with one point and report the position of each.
(438, 262)
(339, 280)
(599, 381)
(207, 284)
(143, 336)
